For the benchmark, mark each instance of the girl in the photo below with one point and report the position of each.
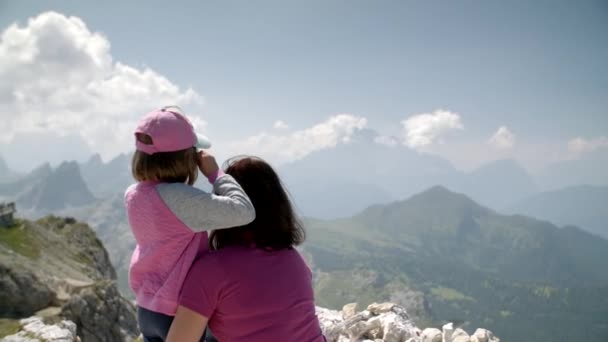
(169, 217)
(254, 286)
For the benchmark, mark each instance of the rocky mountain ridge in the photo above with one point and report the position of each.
(57, 269)
(46, 189)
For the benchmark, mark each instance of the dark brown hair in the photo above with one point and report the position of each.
(276, 225)
(170, 167)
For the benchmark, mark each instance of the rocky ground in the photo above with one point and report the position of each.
(388, 322)
(56, 269)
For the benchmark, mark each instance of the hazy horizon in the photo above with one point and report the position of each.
(469, 83)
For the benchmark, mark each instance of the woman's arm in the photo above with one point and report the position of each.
(187, 326)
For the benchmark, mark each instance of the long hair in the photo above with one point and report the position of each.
(276, 225)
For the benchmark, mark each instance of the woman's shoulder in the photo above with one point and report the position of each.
(231, 256)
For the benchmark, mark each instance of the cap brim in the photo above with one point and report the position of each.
(202, 142)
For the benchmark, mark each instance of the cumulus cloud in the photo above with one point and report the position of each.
(57, 76)
(578, 146)
(425, 129)
(296, 145)
(503, 139)
(279, 124)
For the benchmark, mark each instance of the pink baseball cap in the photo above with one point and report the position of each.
(170, 131)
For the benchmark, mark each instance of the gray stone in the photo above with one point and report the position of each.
(22, 293)
(101, 314)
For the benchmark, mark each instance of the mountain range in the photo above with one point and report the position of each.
(585, 206)
(107, 178)
(470, 263)
(589, 169)
(383, 230)
(363, 173)
(48, 189)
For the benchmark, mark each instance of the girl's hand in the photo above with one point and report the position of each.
(206, 163)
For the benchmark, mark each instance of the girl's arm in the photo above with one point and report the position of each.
(187, 326)
(227, 207)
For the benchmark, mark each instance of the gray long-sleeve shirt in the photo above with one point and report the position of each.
(228, 205)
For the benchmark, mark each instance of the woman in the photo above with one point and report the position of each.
(253, 285)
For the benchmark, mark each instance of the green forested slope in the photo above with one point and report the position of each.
(516, 275)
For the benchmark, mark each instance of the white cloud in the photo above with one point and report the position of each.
(290, 147)
(56, 76)
(279, 124)
(503, 139)
(578, 146)
(425, 129)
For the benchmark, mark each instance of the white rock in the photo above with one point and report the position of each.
(378, 308)
(358, 329)
(431, 335)
(448, 330)
(482, 335)
(396, 329)
(388, 322)
(330, 321)
(34, 330)
(459, 332)
(460, 335)
(349, 310)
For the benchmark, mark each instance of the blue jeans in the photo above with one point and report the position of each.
(155, 326)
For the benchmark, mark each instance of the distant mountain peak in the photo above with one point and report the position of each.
(443, 193)
(95, 159)
(46, 188)
(438, 189)
(68, 166)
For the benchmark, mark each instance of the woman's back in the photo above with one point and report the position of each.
(253, 295)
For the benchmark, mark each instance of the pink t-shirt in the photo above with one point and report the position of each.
(253, 295)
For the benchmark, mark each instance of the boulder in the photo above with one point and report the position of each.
(483, 335)
(101, 314)
(22, 293)
(460, 335)
(349, 310)
(431, 335)
(448, 331)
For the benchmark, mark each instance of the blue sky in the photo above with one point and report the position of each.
(538, 68)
